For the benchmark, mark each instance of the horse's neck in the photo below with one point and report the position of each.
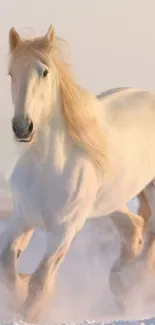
(60, 143)
(52, 142)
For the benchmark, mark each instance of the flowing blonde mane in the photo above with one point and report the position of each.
(79, 107)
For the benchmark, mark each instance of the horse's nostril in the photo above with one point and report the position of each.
(30, 127)
(22, 128)
(14, 127)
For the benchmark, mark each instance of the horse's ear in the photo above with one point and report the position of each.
(14, 38)
(50, 35)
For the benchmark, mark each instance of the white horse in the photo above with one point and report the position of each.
(131, 230)
(82, 157)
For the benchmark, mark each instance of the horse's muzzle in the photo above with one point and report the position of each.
(23, 129)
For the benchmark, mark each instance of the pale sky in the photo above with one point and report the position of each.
(112, 42)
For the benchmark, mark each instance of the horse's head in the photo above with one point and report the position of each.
(42, 87)
(32, 78)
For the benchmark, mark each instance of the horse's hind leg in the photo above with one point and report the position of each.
(131, 228)
(147, 253)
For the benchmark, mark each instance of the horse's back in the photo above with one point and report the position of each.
(125, 93)
(128, 103)
(110, 92)
(129, 126)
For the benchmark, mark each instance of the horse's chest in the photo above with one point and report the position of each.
(42, 193)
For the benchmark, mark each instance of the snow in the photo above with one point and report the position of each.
(149, 321)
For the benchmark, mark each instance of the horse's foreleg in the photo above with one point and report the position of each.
(23, 241)
(9, 246)
(79, 206)
(42, 280)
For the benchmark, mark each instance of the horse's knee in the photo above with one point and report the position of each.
(19, 251)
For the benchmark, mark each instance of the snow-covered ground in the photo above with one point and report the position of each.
(148, 321)
(145, 321)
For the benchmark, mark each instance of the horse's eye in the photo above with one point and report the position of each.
(45, 73)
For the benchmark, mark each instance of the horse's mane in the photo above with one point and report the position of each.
(79, 106)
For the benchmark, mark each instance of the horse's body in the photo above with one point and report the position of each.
(86, 156)
(44, 186)
(129, 127)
